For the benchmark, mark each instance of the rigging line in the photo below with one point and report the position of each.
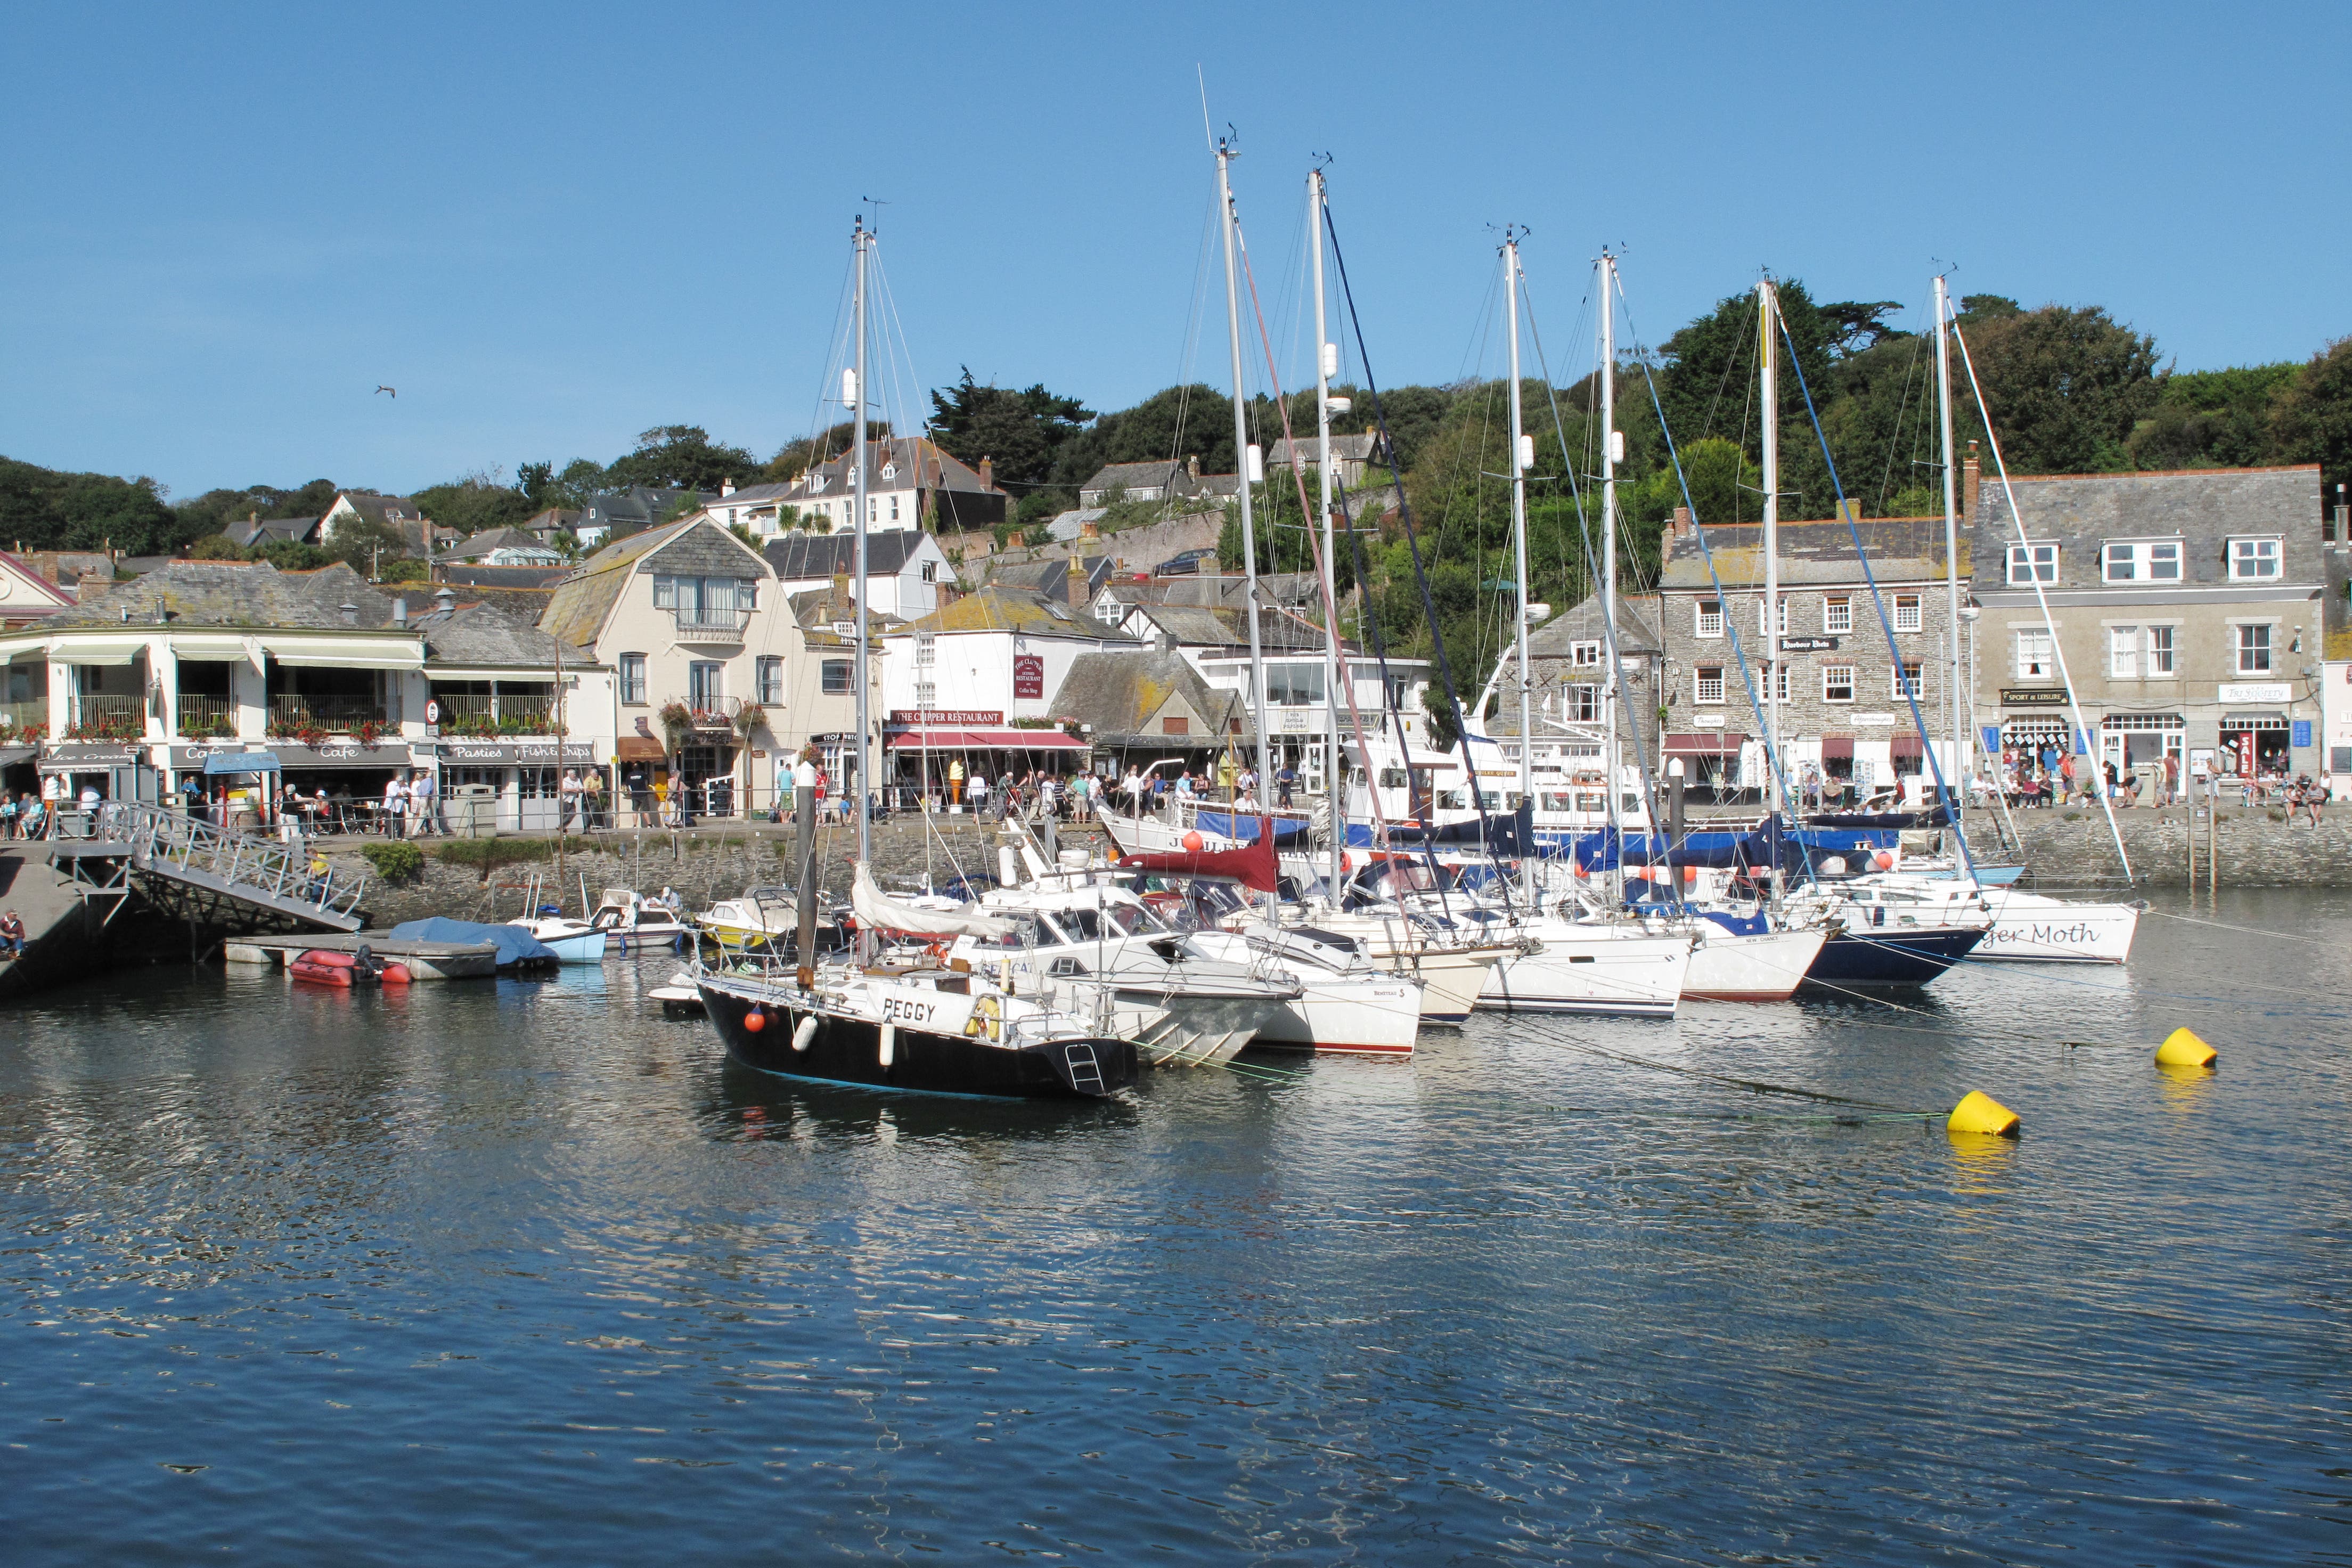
(1754, 1085)
(1706, 552)
(1412, 543)
(2241, 1002)
(1894, 435)
(2057, 649)
(1878, 603)
(1747, 336)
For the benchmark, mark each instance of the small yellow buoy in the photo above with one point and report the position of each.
(2182, 1048)
(1980, 1112)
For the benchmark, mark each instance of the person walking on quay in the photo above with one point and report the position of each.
(424, 804)
(393, 820)
(2168, 781)
(1284, 783)
(568, 792)
(7, 815)
(591, 799)
(12, 935)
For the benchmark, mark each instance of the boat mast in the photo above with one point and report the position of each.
(862, 242)
(1335, 668)
(1952, 548)
(1521, 454)
(1608, 370)
(1768, 310)
(1241, 459)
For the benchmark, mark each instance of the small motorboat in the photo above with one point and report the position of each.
(679, 998)
(631, 922)
(764, 920)
(572, 941)
(325, 966)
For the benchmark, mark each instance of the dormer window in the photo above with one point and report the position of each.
(2253, 560)
(890, 472)
(2141, 561)
(2031, 563)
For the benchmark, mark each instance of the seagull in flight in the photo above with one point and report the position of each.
(395, 391)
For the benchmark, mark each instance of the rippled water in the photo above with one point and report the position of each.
(525, 1272)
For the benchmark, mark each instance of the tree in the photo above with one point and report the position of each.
(2065, 387)
(802, 453)
(1853, 327)
(367, 544)
(537, 483)
(46, 510)
(1020, 432)
(679, 457)
(2312, 422)
(470, 503)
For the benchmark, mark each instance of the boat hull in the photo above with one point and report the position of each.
(847, 1049)
(1766, 967)
(1621, 976)
(583, 947)
(1191, 1031)
(2027, 928)
(1891, 957)
(1348, 1017)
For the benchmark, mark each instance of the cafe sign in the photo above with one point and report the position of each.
(343, 754)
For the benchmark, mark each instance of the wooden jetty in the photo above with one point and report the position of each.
(425, 960)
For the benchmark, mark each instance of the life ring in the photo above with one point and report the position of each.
(987, 1019)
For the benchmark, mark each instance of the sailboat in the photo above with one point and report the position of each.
(927, 1028)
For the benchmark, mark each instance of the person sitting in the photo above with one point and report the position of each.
(2315, 796)
(12, 936)
(33, 822)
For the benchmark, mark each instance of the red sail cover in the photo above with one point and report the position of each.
(1252, 865)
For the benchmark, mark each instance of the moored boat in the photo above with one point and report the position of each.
(326, 966)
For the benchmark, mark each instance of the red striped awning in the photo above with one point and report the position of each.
(1705, 743)
(930, 738)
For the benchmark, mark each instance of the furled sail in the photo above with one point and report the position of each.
(878, 911)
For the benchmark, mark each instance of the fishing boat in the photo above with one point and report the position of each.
(570, 941)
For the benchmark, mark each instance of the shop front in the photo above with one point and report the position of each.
(924, 745)
(2256, 745)
(2136, 744)
(509, 787)
(68, 771)
(1710, 759)
(342, 779)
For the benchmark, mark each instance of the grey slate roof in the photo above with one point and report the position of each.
(1361, 448)
(280, 530)
(253, 595)
(464, 575)
(2201, 507)
(807, 557)
(919, 464)
(1227, 629)
(1118, 692)
(491, 539)
(1813, 553)
(1052, 577)
(637, 507)
(1637, 628)
(483, 634)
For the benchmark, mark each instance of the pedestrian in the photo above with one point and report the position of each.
(12, 935)
(1045, 794)
(591, 799)
(978, 790)
(7, 815)
(1284, 782)
(394, 814)
(424, 804)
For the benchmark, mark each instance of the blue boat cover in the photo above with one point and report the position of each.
(1739, 925)
(1244, 829)
(515, 945)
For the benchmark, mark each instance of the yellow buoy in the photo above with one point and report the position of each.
(1980, 1112)
(2182, 1048)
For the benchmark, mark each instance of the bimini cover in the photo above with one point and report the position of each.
(1252, 865)
(878, 912)
(515, 945)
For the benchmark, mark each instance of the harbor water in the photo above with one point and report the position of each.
(522, 1272)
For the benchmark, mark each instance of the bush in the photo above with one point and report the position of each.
(394, 861)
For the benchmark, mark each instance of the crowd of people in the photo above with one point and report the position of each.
(2026, 778)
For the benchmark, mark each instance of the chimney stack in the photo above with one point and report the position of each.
(727, 486)
(988, 473)
(1192, 466)
(1074, 582)
(1970, 476)
(400, 614)
(351, 612)
(1681, 523)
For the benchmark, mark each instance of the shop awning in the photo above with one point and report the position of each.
(241, 762)
(1004, 739)
(11, 756)
(637, 748)
(347, 653)
(1705, 742)
(1837, 748)
(210, 648)
(1908, 746)
(97, 650)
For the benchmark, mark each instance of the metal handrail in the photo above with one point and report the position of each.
(263, 866)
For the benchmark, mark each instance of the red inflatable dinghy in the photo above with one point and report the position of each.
(324, 967)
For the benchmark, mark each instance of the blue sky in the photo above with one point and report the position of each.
(551, 227)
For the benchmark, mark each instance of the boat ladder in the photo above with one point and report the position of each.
(1086, 1071)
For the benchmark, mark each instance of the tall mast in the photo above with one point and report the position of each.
(1242, 451)
(1519, 457)
(1335, 668)
(1951, 546)
(1768, 310)
(863, 241)
(1608, 532)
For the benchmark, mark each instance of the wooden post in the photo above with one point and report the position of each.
(2213, 850)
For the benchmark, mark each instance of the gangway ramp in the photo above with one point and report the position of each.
(233, 879)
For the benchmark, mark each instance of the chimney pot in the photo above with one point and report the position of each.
(400, 613)
(1971, 476)
(1681, 524)
(1192, 466)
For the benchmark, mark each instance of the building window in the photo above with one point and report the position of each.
(706, 685)
(1583, 705)
(927, 694)
(633, 678)
(1907, 612)
(1175, 724)
(770, 681)
(1837, 683)
(2159, 650)
(1837, 612)
(2254, 649)
(834, 676)
(1710, 683)
(1293, 685)
(926, 650)
(2142, 561)
(894, 506)
(2031, 563)
(2123, 652)
(1710, 618)
(2253, 560)
(2036, 655)
(1906, 679)
(930, 571)
(1783, 616)
(665, 593)
(1585, 655)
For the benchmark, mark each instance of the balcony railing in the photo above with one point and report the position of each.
(109, 715)
(294, 711)
(513, 713)
(711, 626)
(29, 718)
(204, 715)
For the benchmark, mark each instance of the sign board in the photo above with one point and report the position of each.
(94, 759)
(191, 759)
(1028, 677)
(2032, 697)
(2258, 691)
(930, 716)
(1872, 717)
(1808, 644)
(2245, 753)
(510, 753)
(341, 754)
(433, 711)
(1707, 720)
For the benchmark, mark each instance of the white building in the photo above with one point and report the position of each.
(913, 484)
(904, 567)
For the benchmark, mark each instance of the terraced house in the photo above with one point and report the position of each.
(2188, 609)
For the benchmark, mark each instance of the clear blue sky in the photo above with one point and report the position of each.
(551, 227)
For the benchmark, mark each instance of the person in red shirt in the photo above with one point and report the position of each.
(12, 935)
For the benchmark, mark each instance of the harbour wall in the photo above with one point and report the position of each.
(2256, 849)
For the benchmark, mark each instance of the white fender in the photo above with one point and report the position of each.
(806, 1033)
(889, 1043)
